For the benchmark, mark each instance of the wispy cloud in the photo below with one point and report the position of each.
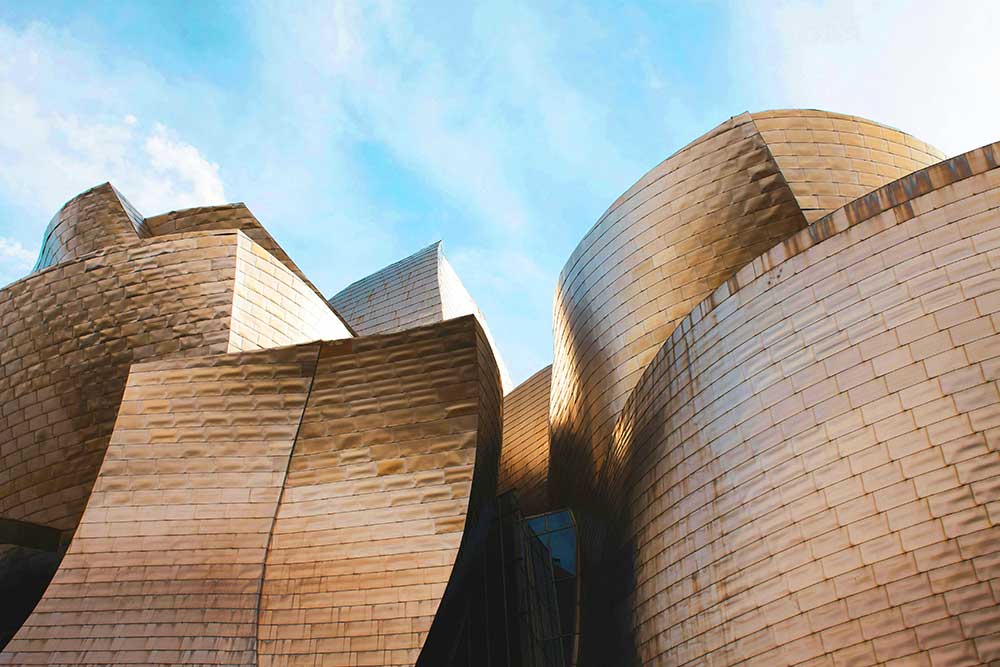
(926, 67)
(66, 137)
(483, 107)
(15, 260)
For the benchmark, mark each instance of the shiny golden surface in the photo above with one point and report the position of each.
(524, 464)
(377, 493)
(93, 220)
(809, 469)
(774, 411)
(417, 290)
(829, 160)
(300, 505)
(677, 234)
(71, 331)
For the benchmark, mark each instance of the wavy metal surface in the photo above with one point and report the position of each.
(809, 469)
(417, 290)
(228, 216)
(524, 462)
(676, 235)
(397, 450)
(301, 505)
(93, 220)
(71, 331)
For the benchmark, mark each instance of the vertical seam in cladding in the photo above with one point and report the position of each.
(277, 504)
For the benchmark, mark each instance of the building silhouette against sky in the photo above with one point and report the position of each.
(770, 434)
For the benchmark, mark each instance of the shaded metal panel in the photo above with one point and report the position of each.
(93, 220)
(230, 216)
(71, 331)
(396, 454)
(678, 233)
(418, 290)
(401, 296)
(524, 463)
(166, 564)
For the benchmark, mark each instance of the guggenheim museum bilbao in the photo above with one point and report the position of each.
(770, 433)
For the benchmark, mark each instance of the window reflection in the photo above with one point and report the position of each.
(556, 533)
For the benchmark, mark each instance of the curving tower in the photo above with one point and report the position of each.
(675, 236)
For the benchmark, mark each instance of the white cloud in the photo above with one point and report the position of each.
(185, 177)
(926, 67)
(15, 260)
(67, 132)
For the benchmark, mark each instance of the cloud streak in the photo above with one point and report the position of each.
(67, 140)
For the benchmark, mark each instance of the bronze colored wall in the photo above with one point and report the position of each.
(671, 239)
(403, 295)
(228, 216)
(72, 330)
(809, 469)
(378, 495)
(417, 290)
(524, 463)
(93, 220)
(829, 160)
(166, 565)
(300, 505)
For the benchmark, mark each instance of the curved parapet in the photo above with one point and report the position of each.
(524, 463)
(94, 220)
(808, 470)
(287, 506)
(829, 159)
(676, 235)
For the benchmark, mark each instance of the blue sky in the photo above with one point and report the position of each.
(361, 132)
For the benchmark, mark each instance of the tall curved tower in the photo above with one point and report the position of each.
(676, 235)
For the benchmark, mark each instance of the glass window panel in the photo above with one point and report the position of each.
(559, 520)
(537, 524)
(563, 548)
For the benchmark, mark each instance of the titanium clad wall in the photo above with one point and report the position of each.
(401, 296)
(273, 307)
(71, 332)
(679, 232)
(524, 460)
(166, 565)
(377, 495)
(306, 503)
(831, 159)
(93, 220)
(228, 216)
(810, 467)
(660, 249)
(419, 290)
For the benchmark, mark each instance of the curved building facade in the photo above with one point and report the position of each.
(770, 434)
(676, 235)
(805, 472)
(272, 521)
